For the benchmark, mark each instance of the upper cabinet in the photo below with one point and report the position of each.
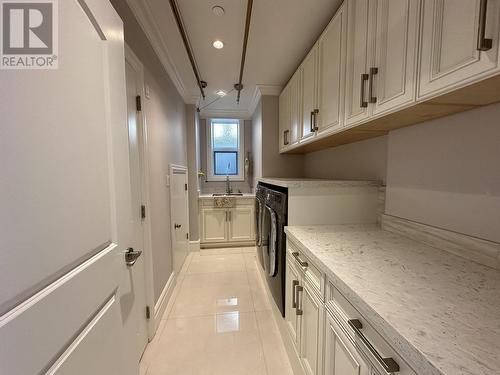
(384, 64)
(459, 43)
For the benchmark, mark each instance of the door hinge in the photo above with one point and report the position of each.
(143, 212)
(148, 312)
(186, 187)
(138, 103)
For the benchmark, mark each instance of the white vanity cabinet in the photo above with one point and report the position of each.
(460, 41)
(227, 226)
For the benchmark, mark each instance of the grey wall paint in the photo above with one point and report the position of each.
(274, 164)
(192, 150)
(446, 173)
(360, 160)
(220, 186)
(257, 141)
(165, 114)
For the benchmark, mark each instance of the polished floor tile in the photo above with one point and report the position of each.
(220, 321)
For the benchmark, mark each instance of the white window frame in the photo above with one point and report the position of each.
(241, 151)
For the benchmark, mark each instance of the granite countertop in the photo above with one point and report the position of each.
(315, 183)
(439, 311)
(245, 195)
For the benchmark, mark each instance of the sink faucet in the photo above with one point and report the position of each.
(228, 185)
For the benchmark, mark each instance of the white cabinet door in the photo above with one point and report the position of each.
(358, 52)
(214, 224)
(341, 357)
(295, 107)
(393, 75)
(311, 331)
(292, 319)
(450, 56)
(331, 78)
(284, 118)
(309, 86)
(241, 223)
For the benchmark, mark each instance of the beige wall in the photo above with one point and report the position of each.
(166, 122)
(257, 141)
(444, 172)
(220, 186)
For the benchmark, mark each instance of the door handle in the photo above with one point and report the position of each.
(388, 364)
(483, 44)
(131, 256)
(177, 226)
(371, 98)
(362, 102)
(298, 310)
(295, 283)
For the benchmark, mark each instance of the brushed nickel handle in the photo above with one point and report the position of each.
(298, 310)
(131, 256)
(312, 123)
(388, 364)
(483, 44)
(295, 283)
(315, 118)
(285, 137)
(373, 72)
(362, 102)
(303, 263)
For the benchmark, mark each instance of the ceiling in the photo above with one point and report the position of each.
(281, 34)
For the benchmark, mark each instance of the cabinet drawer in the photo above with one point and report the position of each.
(342, 310)
(311, 273)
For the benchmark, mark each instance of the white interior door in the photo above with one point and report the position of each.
(179, 215)
(134, 306)
(62, 160)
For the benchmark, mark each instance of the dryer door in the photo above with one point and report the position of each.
(270, 234)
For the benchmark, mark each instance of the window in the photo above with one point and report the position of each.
(225, 149)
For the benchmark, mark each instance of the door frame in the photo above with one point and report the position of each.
(178, 169)
(133, 60)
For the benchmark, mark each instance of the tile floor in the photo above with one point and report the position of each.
(219, 321)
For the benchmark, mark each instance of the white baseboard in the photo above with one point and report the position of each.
(162, 303)
(194, 246)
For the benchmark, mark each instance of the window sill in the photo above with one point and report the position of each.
(223, 179)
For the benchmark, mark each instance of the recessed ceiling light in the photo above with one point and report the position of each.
(218, 44)
(218, 10)
(221, 93)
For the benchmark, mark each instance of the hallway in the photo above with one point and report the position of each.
(219, 321)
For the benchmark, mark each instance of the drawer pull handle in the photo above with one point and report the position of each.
(373, 72)
(362, 102)
(301, 262)
(295, 283)
(388, 364)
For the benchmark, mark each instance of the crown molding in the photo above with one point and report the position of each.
(272, 90)
(241, 114)
(143, 14)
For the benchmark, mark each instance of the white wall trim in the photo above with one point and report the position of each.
(261, 90)
(161, 304)
(241, 114)
(143, 14)
(194, 246)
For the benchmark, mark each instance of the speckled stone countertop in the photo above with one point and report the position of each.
(439, 311)
(315, 183)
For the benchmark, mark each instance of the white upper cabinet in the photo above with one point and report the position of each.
(295, 107)
(309, 93)
(331, 77)
(459, 44)
(358, 54)
(284, 118)
(392, 78)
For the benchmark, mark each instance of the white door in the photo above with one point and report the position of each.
(311, 331)
(241, 223)
(395, 54)
(450, 52)
(64, 168)
(358, 53)
(341, 357)
(309, 85)
(292, 319)
(134, 287)
(214, 224)
(179, 215)
(331, 80)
